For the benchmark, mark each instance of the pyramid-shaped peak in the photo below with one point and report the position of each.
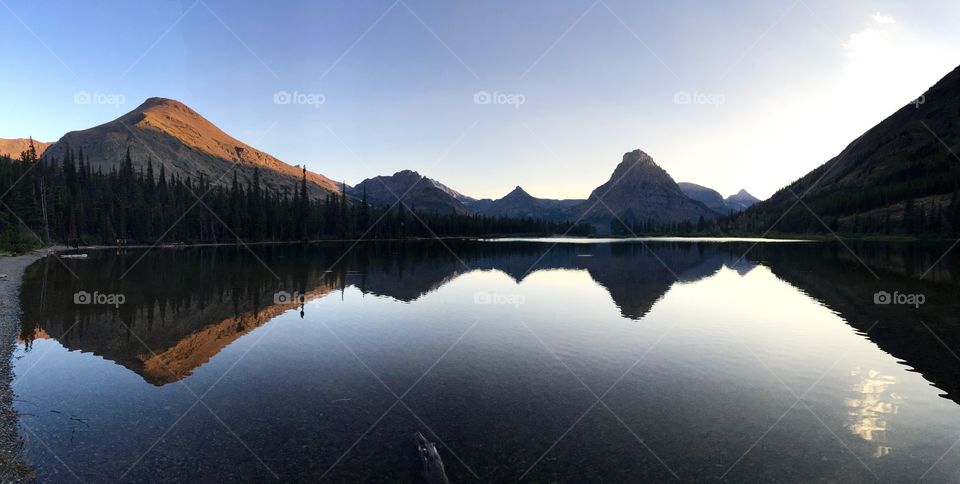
(518, 193)
(637, 156)
(744, 195)
(637, 163)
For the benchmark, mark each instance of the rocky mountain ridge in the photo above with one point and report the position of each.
(169, 133)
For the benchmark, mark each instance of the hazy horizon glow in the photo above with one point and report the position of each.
(488, 96)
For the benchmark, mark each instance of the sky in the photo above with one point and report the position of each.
(486, 96)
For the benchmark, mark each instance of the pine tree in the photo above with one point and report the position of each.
(303, 207)
(344, 226)
(363, 220)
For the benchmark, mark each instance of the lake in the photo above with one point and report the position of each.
(521, 359)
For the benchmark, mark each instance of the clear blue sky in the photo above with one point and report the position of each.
(776, 87)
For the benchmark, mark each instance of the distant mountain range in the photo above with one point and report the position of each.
(426, 194)
(169, 134)
(415, 190)
(520, 204)
(901, 176)
(638, 191)
(714, 201)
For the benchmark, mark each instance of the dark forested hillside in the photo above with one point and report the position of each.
(900, 177)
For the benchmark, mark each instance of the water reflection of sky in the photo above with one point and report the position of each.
(873, 402)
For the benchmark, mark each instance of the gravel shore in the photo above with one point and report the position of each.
(12, 466)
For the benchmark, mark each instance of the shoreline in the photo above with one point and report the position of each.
(13, 466)
(505, 238)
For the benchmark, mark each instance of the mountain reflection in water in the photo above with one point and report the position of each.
(184, 307)
(187, 305)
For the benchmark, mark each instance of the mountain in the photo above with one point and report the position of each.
(520, 204)
(478, 205)
(188, 145)
(707, 196)
(740, 201)
(640, 191)
(417, 191)
(453, 193)
(13, 147)
(901, 176)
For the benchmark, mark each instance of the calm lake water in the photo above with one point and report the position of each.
(619, 361)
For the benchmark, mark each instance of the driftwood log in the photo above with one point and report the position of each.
(433, 471)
